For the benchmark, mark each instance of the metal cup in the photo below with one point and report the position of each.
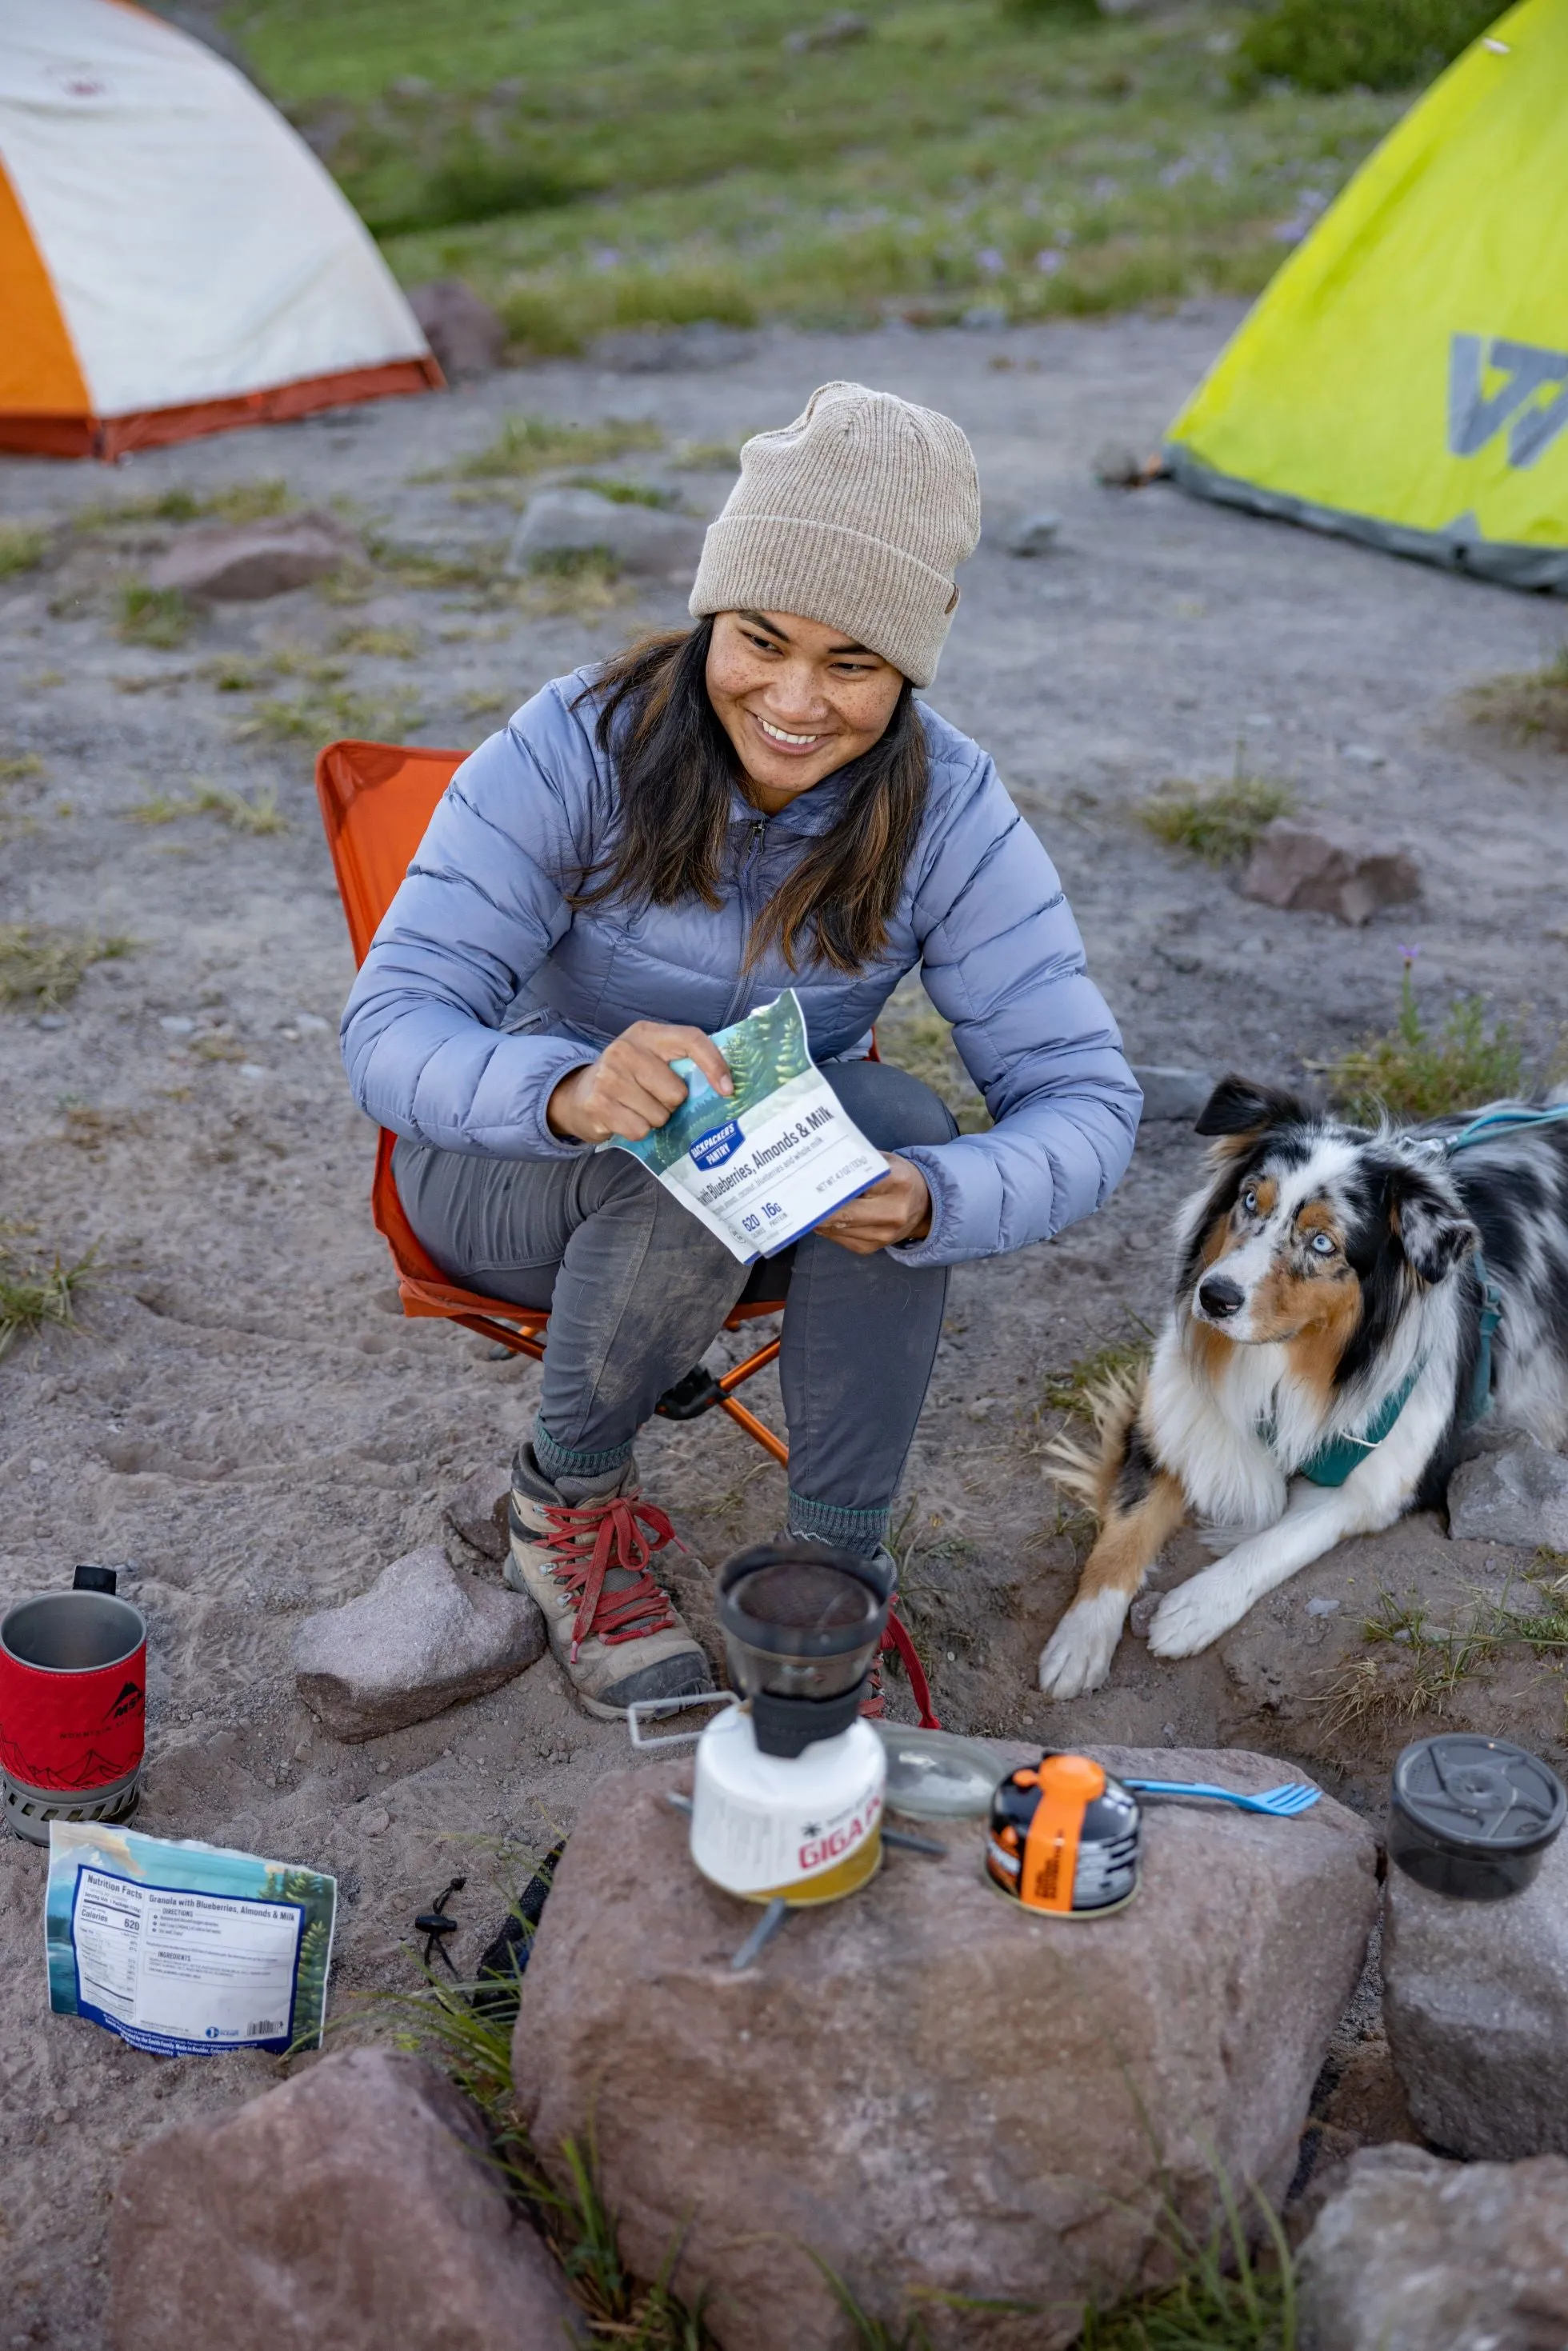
(73, 1703)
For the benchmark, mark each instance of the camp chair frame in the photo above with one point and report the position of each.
(376, 800)
(344, 772)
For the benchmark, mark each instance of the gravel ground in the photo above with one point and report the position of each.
(245, 1417)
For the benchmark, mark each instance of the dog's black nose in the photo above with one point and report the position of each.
(1219, 1298)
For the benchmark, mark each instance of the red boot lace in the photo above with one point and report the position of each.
(586, 1543)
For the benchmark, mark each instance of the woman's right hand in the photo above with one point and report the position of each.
(632, 1089)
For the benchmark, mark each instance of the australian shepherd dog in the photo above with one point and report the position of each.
(1330, 1340)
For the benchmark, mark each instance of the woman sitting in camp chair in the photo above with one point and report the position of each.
(652, 848)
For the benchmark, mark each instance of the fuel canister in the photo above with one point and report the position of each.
(1064, 1838)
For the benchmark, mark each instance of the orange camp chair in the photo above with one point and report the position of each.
(376, 800)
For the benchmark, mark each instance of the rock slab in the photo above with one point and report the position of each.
(921, 2085)
(637, 539)
(352, 2208)
(1517, 1496)
(1316, 866)
(1033, 534)
(420, 1639)
(466, 334)
(1475, 2003)
(477, 1511)
(1173, 1092)
(1416, 2254)
(242, 562)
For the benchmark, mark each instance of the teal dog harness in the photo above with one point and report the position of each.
(1336, 1457)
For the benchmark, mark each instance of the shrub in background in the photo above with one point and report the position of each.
(1330, 45)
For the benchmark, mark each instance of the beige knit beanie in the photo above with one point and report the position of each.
(857, 515)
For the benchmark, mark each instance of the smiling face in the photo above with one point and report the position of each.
(797, 699)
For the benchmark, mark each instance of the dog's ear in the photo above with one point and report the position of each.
(1431, 1230)
(1239, 1108)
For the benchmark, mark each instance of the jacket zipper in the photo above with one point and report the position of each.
(750, 858)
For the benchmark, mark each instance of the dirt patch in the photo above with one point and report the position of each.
(246, 1418)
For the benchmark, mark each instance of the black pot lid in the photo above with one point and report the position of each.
(1479, 1794)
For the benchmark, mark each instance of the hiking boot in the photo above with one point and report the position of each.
(611, 1627)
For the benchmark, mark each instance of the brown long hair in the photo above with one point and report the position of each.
(675, 772)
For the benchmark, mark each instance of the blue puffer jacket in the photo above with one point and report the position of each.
(482, 987)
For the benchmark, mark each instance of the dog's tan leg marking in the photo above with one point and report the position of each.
(1077, 1657)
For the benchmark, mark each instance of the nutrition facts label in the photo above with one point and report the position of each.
(207, 1968)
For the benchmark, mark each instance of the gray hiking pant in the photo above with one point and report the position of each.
(638, 1289)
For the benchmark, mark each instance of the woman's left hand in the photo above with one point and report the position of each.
(897, 1209)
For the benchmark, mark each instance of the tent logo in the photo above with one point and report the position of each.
(1475, 415)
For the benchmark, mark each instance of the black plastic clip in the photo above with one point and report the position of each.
(691, 1397)
(436, 1926)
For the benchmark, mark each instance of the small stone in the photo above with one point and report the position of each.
(51, 1020)
(834, 32)
(1415, 2254)
(357, 2206)
(1362, 755)
(177, 1024)
(1033, 534)
(925, 2051)
(421, 1639)
(1475, 2003)
(1320, 1607)
(312, 1023)
(241, 563)
(1518, 1496)
(983, 316)
(636, 538)
(466, 334)
(252, 1069)
(375, 1823)
(1319, 865)
(478, 1512)
(666, 350)
(1142, 1614)
(1173, 1093)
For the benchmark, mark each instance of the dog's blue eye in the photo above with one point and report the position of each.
(1249, 1202)
(1322, 1245)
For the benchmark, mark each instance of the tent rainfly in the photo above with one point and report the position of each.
(174, 260)
(1404, 380)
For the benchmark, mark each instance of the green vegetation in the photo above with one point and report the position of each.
(33, 1294)
(1081, 1388)
(912, 1033)
(42, 967)
(242, 502)
(1416, 1665)
(1530, 706)
(531, 444)
(1332, 44)
(1412, 1072)
(1216, 823)
(1228, 2298)
(22, 545)
(378, 644)
(153, 616)
(259, 815)
(1024, 160)
(22, 768)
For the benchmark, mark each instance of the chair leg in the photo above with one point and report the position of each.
(757, 1429)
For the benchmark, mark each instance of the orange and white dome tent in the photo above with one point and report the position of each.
(173, 259)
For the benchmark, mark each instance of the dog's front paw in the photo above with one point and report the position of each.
(1197, 1613)
(1077, 1657)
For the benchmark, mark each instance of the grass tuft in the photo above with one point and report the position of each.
(153, 616)
(259, 815)
(42, 967)
(33, 1294)
(378, 644)
(1412, 1072)
(22, 768)
(22, 546)
(573, 583)
(533, 444)
(1528, 706)
(912, 1033)
(1216, 823)
(1077, 1390)
(241, 502)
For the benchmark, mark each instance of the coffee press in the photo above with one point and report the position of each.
(788, 1794)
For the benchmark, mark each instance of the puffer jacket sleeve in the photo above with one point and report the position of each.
(483, 905)
(1003, 961)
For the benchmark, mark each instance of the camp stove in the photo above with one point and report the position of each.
(787, 1800)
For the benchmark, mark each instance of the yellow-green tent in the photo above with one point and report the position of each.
(1405, 378)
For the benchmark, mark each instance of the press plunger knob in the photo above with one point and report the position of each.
(1076, 1778)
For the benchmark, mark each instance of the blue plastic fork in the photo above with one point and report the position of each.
(1281, 1804)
